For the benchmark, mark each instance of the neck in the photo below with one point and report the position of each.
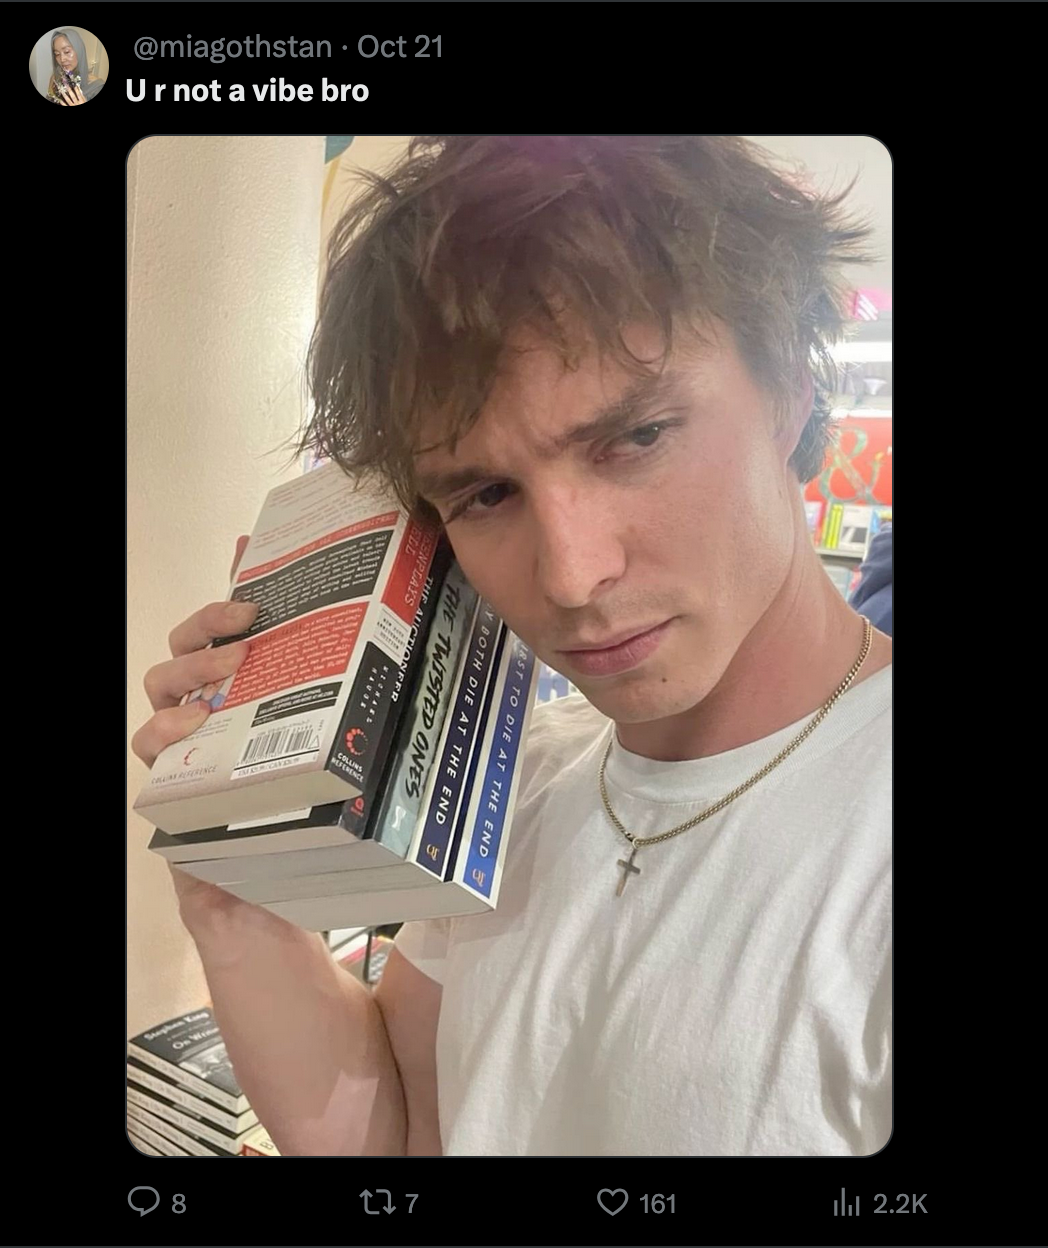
(789, 665)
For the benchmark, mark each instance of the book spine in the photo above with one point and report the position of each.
(421, 734)
(147, 1141)
(355, 753)
(186, 1143)
(493, 794)
(194, 1126)
(432, 840)
(192, 1083)
(833, 526)
(202, 1109)
(458, 837)
(820, 525)
(358, 817)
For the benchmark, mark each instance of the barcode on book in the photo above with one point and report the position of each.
(286, 746)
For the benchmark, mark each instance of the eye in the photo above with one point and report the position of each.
(646, 435)
(643, 437)
(488, 497)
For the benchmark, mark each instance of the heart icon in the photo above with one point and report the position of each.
(619, 1191)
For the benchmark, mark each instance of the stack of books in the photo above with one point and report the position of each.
(361, 767)
(183, 1099)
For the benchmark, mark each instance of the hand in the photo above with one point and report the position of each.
(192, 665)
(70, 95)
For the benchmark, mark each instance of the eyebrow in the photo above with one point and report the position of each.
(609, 420)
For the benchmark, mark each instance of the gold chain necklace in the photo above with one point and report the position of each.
(638, 841)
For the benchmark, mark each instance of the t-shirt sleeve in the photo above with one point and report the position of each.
(425, 945)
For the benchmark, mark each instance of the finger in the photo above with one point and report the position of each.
(242, 542)
(165, 728)
(168, 683)
(217, 619)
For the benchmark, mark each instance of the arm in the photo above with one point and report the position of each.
(410, 1005)
(306, 1039)
(318, 1055)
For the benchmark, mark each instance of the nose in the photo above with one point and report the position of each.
(578, 552)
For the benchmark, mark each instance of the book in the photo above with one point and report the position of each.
(337, 570)
(147, 1141)
(357, 814)
(188, 1051)
(814, 512)
(175, 1115)
(423, 730)
(453, 681)
(142, 1077)
(313, 827)
(447, 788)
(832, 526)
(493, 794)
(854, 529)
(330, 837)
(481, 837)
(178, 1142)
(880, 519)
(259, 1144)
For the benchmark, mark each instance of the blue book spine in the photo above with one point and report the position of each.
(479, 867)
(467, 798)
(459, 740)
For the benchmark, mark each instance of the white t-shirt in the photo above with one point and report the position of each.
(735, 1000)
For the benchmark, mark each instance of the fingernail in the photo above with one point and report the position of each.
(243, 611)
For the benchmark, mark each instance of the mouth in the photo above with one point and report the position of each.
(618, 655)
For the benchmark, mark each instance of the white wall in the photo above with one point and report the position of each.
(222, 254)
(832, 160)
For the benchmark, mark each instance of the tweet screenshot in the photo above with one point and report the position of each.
(509, 624)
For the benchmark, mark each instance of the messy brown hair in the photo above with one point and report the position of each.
(467, 238)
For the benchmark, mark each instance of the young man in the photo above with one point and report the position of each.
(594, 359)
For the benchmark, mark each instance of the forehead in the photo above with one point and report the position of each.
(536, 396)
(61, 43)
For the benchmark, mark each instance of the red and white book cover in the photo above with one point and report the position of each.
(337, 570)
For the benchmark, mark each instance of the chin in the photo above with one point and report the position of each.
(642, 700)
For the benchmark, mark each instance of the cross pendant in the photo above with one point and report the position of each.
(627, 867)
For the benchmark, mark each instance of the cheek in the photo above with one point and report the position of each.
(489, 576)
(719, 525)
(496, 570)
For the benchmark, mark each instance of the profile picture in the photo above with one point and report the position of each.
(69, 66)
